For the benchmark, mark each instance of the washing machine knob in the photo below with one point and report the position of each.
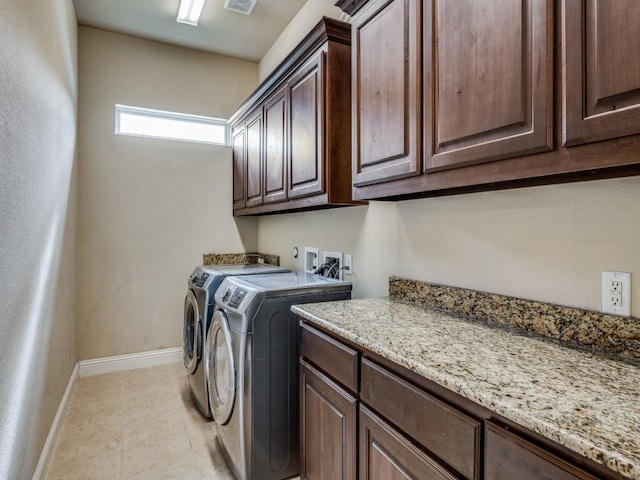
(226, 295)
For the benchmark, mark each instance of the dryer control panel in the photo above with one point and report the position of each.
(200, 279)
(231, 296)
(234, 298)
(239, 300)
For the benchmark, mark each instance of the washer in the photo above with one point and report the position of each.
(252, 355)
(198, 310)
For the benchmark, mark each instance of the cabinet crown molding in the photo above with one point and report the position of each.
(327, 29)
(350, 6)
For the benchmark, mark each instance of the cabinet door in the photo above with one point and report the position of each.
(387, 455)
(488, 80)
(239, 164)
(601, 76)
(386, 91)
(328, 417)
(306, 112)
(254, 160)
(275, 136)
(508, 456)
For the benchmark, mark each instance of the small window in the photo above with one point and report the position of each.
(145, 122)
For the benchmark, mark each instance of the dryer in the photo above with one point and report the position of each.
(198, 310)
(252, 352)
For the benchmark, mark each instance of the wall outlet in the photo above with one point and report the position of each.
(348, 265)
(616, 293)
(310, 259)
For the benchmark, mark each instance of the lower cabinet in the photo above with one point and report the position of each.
(386, 455)
(328, 420)
(360, 419)
(450, 435)
(508, 456)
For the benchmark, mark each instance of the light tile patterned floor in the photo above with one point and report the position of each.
(138, 425)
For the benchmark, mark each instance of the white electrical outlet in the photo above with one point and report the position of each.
(310, 259)
(616, 293)
(348, 265)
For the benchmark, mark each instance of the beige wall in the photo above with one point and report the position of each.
(38, 90)
(544, 243)
(368, 233)
(148, 208)
(298, 28)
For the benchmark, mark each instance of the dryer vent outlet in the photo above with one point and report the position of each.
(240, 6)
(332, 261)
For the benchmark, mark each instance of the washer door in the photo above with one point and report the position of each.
(191, 334)
(221, 368)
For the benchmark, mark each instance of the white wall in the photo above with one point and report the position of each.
(308, 16)
(37, 224)
(149, 209)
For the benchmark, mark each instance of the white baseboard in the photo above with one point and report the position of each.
(86, 368)
(49, 445)
(132, 361)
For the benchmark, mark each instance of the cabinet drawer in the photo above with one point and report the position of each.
(384, 453)
(336, 359)
(509, 456)
(442, 430)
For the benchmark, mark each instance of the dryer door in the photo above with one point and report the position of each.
(191, 333)
(221, 368)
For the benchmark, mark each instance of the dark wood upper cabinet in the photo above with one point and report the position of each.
(503, 88)
(275, 144)
(299, 157)
(601, 77)
(386, 91)
(306, 176)
(487, 80)
(254, 160)
(239, 164)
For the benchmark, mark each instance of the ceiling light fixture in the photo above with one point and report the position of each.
(189, 11)
(240, 6)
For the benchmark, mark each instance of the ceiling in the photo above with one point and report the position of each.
(218, 31)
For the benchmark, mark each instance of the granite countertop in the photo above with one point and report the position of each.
(586, 402)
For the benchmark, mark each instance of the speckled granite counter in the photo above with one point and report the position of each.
(583, 401)
(240, 258)
(597, 331)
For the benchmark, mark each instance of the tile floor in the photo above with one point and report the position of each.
(138, 424)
